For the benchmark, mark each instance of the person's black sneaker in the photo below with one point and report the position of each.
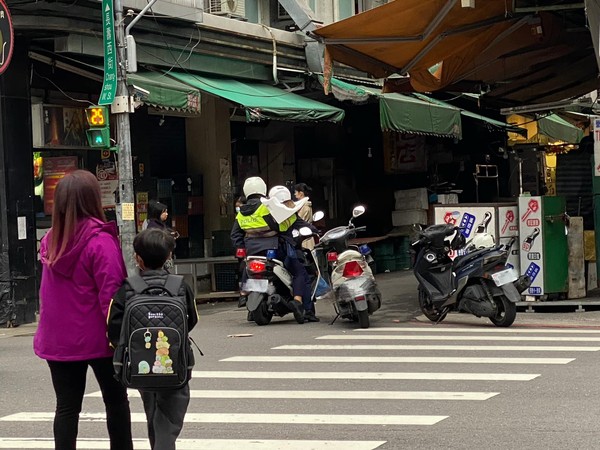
(309, 316)
(297, 309)
(242, 301)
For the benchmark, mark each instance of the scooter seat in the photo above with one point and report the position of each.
(348, 255)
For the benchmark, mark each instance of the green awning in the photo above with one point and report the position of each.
(555, 127)
(262, 102)
(165, 92)
(494, 123)
(405, 114)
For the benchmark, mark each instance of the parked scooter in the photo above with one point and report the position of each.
(346, 268)
(269, 284)
(478, 282)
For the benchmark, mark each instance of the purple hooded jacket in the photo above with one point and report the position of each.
(76, 292)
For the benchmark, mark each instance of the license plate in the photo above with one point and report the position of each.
(253, 285)
(505, 276)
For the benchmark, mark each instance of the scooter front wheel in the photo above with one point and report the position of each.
(507, 312)
(429, 310)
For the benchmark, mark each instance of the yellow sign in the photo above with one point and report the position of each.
(127, 211)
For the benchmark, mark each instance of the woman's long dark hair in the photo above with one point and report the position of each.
(76, 197)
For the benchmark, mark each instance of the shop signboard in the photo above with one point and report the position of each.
(472, 219)
(596, 127)
(531, 242)
(6, 37)
(508, 229)
(108, 178)
(54, 169)
(109, 86)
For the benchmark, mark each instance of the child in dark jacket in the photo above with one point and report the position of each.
(165, 409)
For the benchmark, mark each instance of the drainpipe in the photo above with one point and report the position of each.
(303, 17)
(275, 78)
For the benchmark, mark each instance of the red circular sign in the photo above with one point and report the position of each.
(6, 37)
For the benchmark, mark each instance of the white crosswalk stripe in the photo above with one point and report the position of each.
(367, 375)
(489, 348)
(397, 359)
(204, 444)
(391, 337)
(325, 384)
(306, 419)
(332, 395)
(479, 329)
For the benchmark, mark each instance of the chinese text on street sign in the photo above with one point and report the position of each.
(109, 87)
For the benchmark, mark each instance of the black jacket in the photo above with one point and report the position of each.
(258, 244)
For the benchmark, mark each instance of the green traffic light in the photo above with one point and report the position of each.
(99, 140)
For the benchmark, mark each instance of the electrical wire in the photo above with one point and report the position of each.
(201, 81)
(62, 92)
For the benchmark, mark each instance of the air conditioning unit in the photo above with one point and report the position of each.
(282, 14)
(233, 8)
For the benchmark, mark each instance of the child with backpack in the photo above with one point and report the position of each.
(148, 324)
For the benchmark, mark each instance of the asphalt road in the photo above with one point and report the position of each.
(402, 384)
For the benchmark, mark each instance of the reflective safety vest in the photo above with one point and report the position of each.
(255, 223)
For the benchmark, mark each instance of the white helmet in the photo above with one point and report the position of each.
(482, 240)
(281, 193)
(254, 185)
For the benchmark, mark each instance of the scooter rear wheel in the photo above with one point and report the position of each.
(363, 319)
(428, 310)
(507, 312)
(261, 315)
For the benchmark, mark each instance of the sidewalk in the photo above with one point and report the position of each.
(400, 304)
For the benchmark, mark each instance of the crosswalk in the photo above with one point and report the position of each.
(365, 365)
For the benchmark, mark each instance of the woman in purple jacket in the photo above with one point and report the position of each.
(82, 269)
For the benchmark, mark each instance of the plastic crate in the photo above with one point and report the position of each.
(227, 276)
(383, 248)
(403, 262)
(179, 204)
(195, 205)
(180, 224)
(196, 228)
(386, 264)
(163, 187)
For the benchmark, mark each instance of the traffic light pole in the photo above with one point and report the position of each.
(125, 201)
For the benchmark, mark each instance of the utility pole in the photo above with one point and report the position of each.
(121, 107)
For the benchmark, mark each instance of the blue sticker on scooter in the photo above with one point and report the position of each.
(532, 271)
(466, 223)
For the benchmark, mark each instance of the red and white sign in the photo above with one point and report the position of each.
(6, 37)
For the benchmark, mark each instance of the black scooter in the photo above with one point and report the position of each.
(478, 282)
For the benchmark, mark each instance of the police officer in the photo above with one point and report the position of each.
(257, 231)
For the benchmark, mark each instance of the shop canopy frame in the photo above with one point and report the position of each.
(263, 102)
(404, 114)
(512, 57)
(162, 92)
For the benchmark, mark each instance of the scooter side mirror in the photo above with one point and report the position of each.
(358, 211)
(318, 216)
(304, 231)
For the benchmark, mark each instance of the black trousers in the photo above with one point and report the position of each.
(68, 379)
(165, 413)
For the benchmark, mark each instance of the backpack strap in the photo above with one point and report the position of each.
(173, 284)
(137, 283)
